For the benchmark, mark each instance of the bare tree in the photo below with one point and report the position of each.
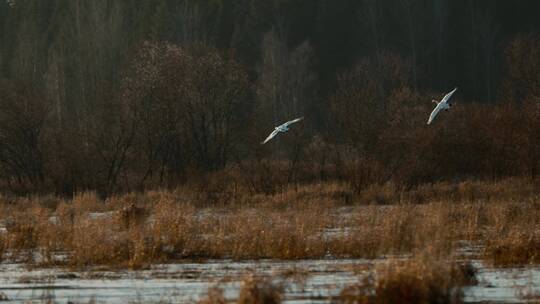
(191, 105)
(483, 42)
(521, 85)
(25, 62)
(23, 114)
(408, 8)
(152, 95)
(215, 105)
(441, 9)
(285, 84)
(357, 109)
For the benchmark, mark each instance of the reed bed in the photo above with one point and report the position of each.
(420, 279)
(311, 221)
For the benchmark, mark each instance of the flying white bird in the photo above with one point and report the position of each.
(441, 105)
(283, 128)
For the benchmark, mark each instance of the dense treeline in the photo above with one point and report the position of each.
(129, 95)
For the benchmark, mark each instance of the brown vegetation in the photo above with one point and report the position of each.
(255, 289)
(517, 248)
(314, 221)
(214, 296)
(418, 280)
(3, 297)
(191, 116)
(259, 290)
(2, 247)
(129, 134)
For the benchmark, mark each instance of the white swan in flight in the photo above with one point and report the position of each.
(441, 105)
(283, 128)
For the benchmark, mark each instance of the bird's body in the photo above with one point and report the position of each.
(281, 129)
(444, 104)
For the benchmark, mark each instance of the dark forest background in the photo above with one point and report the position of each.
(128, 95)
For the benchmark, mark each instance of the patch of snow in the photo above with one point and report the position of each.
(506, 285)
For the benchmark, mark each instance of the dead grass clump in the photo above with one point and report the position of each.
(65, 213)
(359, 293)
(106, 242)
(384, 194)
(24, 228)
(22, 236)
(262, 233)
(321, 195)
(512, 237)
(3, 246)
(134, 237)
(214, 296)
(507, 216)
(421, 281)
(100, 247)
(33, 230)
(97, 242)
(470, 191)
(515, 249)
(412, 281)
(401, 229)
(176, 229)
(464, 274)
(260, 290)
(529, 294)
(87, 201)
(132, 216)
(3, 297)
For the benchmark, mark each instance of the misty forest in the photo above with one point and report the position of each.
(269, 151)
(117, 96)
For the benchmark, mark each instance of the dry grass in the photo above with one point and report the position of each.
(2, 249)
(417, 280)
(514, 237)
(518, 248)
(260, 290)
(313, 221)
(254, 289)
(214, 296)
(3, 297)
(529, 295)
(513, 189)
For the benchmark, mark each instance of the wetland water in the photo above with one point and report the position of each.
(305, 281)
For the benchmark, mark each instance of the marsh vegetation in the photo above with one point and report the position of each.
(130, 140)
(424, 240)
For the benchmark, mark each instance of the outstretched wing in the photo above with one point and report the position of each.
(288, 123)
(274, 133)
(434, 113)
(447, 96)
